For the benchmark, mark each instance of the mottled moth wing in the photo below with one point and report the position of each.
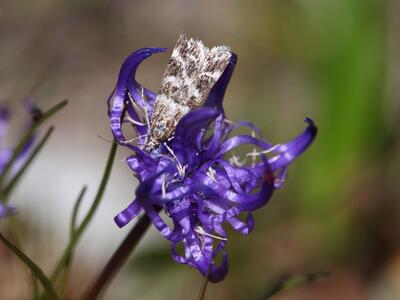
(190, 74)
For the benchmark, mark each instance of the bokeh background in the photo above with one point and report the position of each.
(336, 61)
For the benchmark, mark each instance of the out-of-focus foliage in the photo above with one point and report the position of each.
(339, 50)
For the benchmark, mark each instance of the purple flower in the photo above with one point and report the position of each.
(203, 178)
(6, 152)
(6, 210)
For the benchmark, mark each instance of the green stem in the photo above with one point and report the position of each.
(13, 182)
(74, 240)
(64, 276)
(33, 267)
(28, 135)
(118, 258)
(78, 202)
(203, 288)
(15, 229)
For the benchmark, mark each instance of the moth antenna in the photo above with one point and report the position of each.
(107, 140)
(135, 139)
(124, 142)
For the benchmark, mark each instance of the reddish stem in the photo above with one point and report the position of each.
(118, 259)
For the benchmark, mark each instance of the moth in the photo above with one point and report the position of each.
(191, 72)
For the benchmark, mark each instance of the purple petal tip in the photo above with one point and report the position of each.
(121, 221)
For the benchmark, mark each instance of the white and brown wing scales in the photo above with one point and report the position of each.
(190, 74)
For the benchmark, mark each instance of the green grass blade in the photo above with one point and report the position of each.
(75, 211)
(62, 282)
(13, 182)
(48, 287)
(81, 228)
(28, 135)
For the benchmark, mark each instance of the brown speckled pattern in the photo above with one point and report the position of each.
(190, 74)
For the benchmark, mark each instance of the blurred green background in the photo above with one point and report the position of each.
(336, 61)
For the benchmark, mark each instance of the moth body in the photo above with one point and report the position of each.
(192, 71)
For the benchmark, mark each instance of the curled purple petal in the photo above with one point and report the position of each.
(217, 93)
(125, 216)
(125, 79)
(289, 151)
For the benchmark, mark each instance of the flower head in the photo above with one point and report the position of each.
(205, 177)
(6, 210)
(6, 153)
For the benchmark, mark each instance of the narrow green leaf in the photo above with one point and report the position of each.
(81, 228)
(28, 135)
(13, 182)
(61, 283)
(33, 267)
(75, 211)
(15, 228)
